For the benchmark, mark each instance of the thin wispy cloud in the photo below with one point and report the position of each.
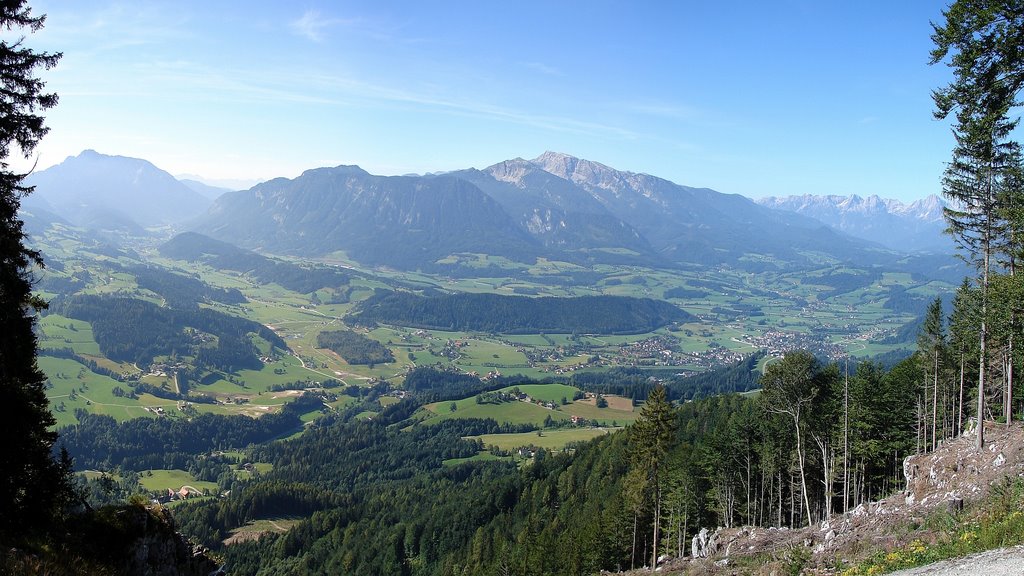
(378, 94)
(314, 26)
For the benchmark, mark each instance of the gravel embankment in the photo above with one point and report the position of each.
(999, 562)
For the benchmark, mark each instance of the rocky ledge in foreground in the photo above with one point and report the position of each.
(129, 540)
(955, 473)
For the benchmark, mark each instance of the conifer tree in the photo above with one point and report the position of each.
(650, 438)
(983, 41)
(32, 482)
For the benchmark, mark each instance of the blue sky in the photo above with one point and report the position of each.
(754, 98)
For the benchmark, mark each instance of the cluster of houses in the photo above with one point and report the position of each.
(491, 375)
(778, 342)
(184, 493)
(165, 369)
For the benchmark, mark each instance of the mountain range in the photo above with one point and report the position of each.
(917, 226)
(555, 206)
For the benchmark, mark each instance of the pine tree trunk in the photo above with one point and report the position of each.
(983, 336)
(980, 440)
(846, 438)
(803, 475)
(657, 525)
(960, 408)
(1009, 374)
(935, 399)
(632, 554)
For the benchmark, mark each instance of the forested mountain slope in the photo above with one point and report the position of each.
(555, 206)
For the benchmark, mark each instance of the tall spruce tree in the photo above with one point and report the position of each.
(650, 438)
(32, 483)
(983, 42)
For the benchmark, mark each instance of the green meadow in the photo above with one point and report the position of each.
(162, 480)
(550, 439)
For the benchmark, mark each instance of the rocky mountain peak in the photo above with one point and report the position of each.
(557, 163)
(512, 171)
(929, 209)
(577, 170)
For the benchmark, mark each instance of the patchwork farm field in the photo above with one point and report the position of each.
(736, 313)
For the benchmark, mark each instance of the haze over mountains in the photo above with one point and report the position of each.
(915, 226)
(555, 206)
(114, 192)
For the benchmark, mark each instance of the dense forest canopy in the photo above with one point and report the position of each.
(137, 331)
(180, 291)
(354, 347)
(519, 314)
(377, 498)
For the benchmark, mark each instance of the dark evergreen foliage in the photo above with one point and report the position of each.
(101, 443)
(519, 314)
(355, 348)
(33, 485)
(376, 497)
(685, 293)
(637, 383)
(181, 291)
(131, 330)
(432, 385)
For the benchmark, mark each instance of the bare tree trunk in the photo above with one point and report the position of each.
(980, 440)
(632, 554)
(924, 414)
(686, 521)
(749, 490)
(935, 398)
(1013, 328)
(780, 499)
(920, 425)
(1009, 373)
(960, 408)
(827, 468)
(792, 500)
(983, 337)
(657, 526)
(846, 438)
(803, 475)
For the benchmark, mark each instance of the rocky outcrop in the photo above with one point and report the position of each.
(134, 540)
(705, 544)
(159, 550)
